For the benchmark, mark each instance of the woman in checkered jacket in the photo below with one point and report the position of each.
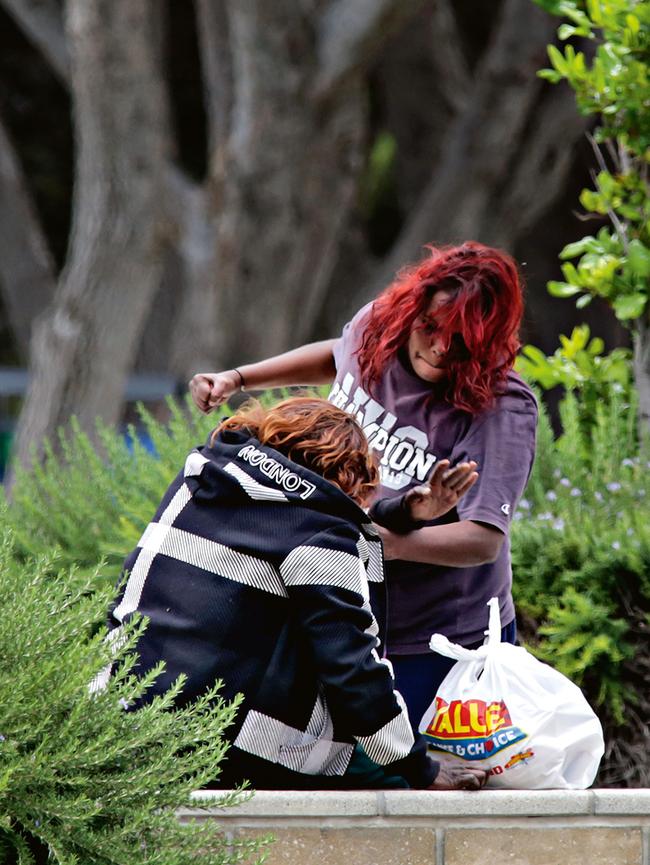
(261, 568)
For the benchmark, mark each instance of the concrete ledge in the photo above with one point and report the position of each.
(622, 802)
(427, 803)
(421, 827)
(489, 803)
(294, 803)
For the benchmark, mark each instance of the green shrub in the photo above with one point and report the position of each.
(581, 543)
(579, 364)
(81, 780)
(91, 502)
(611, 83)
(581, 563)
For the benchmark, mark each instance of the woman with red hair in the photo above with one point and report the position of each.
(427, 369)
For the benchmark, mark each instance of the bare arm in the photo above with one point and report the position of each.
(460, 545)
(309, 364)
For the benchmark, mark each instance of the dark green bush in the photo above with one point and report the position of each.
(581, 563)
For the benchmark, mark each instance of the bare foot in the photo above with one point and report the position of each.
(459, 778)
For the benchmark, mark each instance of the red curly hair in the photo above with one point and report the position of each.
(317, 435)
(480, 323)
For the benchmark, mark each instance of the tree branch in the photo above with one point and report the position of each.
(82, 351)
(42, 23)
(193, 342)
(454, 77)
(27, 279)
(213, 32)
(350, 33)
(540, 175)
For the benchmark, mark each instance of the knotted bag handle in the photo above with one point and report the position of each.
(443, 646)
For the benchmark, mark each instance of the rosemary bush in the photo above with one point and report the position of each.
(81, 779)
(91, 502)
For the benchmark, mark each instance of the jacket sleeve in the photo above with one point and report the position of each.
(392, 514)
(326, 581)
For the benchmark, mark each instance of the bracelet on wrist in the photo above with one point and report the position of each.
(242, 382)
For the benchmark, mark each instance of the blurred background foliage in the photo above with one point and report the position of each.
(364, 131)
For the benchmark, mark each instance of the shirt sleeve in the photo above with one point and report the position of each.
(503, 445)
(350, 337)
(327, 584)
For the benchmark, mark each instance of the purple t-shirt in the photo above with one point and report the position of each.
(412, 432)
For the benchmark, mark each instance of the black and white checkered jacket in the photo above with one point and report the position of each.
(259, 572)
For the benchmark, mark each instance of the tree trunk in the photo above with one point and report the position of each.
(285, 183)
(539, 176)
(195, 337)
(40, 21)
(193, 344)
(27, 280)
(286, 112)
(82, 350)
(351, 31)
(476, 158)
(452, 72)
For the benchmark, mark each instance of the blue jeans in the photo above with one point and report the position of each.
(417, 677)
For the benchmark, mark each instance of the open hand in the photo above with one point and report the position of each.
(210, 389)
(443, 490)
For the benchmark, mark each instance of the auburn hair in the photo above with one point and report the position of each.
(479, 325)
(315, 434)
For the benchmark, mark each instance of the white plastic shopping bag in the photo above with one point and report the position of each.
(503, 710)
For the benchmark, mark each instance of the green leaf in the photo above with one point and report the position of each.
(571, 11)
(592, 201)
(606, 183)
(638, 257)
(596, 346)
(580, 336)
(576, 342)
(595, 12)
(579, 247)
(549, 75)
(535, 354)
(557, 59)
(629, 306)
(583, 301)
(630, 212)
(562, 289)
(566, 31)
(571, 275)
